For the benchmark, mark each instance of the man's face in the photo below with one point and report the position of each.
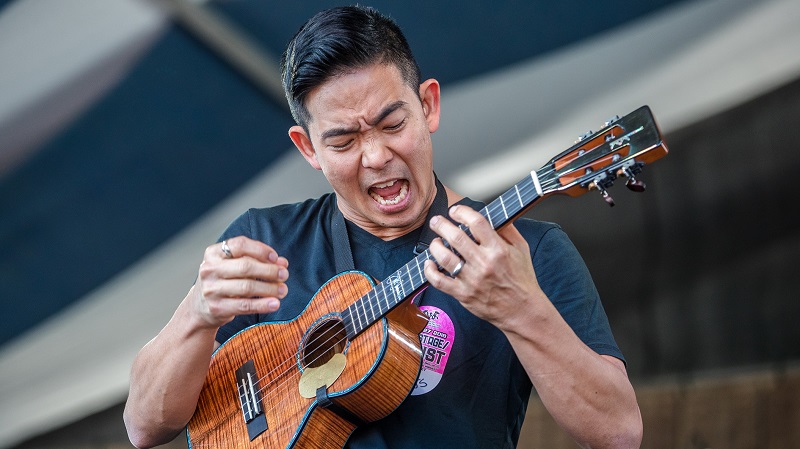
(369, 133)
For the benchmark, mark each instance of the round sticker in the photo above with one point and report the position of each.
(437, 341)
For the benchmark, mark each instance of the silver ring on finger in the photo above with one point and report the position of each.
(457, 269)
(226, 250)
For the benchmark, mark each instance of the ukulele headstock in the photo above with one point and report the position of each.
(620, 149)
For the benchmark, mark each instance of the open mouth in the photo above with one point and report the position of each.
(389, 193)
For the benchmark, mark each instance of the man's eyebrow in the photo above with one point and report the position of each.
(334, 132)
(338, 132)
(386, 111)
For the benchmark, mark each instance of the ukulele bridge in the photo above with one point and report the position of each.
(250, 399)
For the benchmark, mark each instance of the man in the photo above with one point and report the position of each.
(514, 308)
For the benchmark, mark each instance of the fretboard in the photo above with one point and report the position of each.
(410, 278)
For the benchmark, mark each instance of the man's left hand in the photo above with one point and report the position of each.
(496, 277)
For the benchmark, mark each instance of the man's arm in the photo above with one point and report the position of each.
(588, 394)
(166, 378)
(168, 373)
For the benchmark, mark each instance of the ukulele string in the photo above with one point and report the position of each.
(278, 381)
(547, 183)
(268, 397)
(365, 302)
(274, 377)
(276, 385)
(292, 361)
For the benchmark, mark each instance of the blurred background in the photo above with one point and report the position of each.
(133, 131)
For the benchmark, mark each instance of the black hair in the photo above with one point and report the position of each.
(335, 41)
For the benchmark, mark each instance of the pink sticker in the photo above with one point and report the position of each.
(437, 341)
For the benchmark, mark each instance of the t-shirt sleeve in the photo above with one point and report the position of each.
(566, 280)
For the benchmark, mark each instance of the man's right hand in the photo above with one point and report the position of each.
(169, 371)
(251, 280)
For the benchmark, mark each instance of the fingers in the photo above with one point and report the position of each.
(241, 246)
(480, 230)
(245, 267)
(451, 261)
(245, 287)
(467, 254)
(445, 259)
(240, 276)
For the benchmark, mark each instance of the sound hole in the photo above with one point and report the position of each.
(325, 340)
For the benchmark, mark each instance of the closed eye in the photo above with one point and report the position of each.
(341, 146)
(397, 126)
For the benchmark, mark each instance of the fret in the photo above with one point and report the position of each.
(420, 261)
(519, 197)
(529, 193)
(383, 290)
(409, 279)
(378, 305)
(357, 321)
(547, 180)
(358, 316)
(372, 308)
(366, 305)
(363, 322)
(387, 303)
(369, 309)
(402, 282)
(411, 276)
(349, 325)
(419, 268)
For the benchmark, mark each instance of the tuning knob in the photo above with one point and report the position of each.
(636, 185)
(608, 199)
(633, 183)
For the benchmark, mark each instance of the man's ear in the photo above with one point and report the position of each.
(303, 143)
(429, 95)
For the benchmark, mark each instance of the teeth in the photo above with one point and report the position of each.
(386, 184)
(390, 202)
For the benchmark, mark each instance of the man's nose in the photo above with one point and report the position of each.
(376, 154)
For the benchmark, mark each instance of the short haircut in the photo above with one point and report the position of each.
(339, 40)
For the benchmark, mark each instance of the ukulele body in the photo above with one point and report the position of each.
(381, 366)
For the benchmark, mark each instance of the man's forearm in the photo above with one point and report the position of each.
(166, 379)
(589, 395)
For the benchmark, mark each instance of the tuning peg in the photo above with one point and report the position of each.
(610, 121)
(608, 199)
(636, 185)
(633, 183)
(584, 136)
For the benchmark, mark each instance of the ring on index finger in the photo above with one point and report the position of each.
(457, 269)
(226, 250)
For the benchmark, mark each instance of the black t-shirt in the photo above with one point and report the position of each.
(472, 390)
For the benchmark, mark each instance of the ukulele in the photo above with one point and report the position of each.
(354, 354)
